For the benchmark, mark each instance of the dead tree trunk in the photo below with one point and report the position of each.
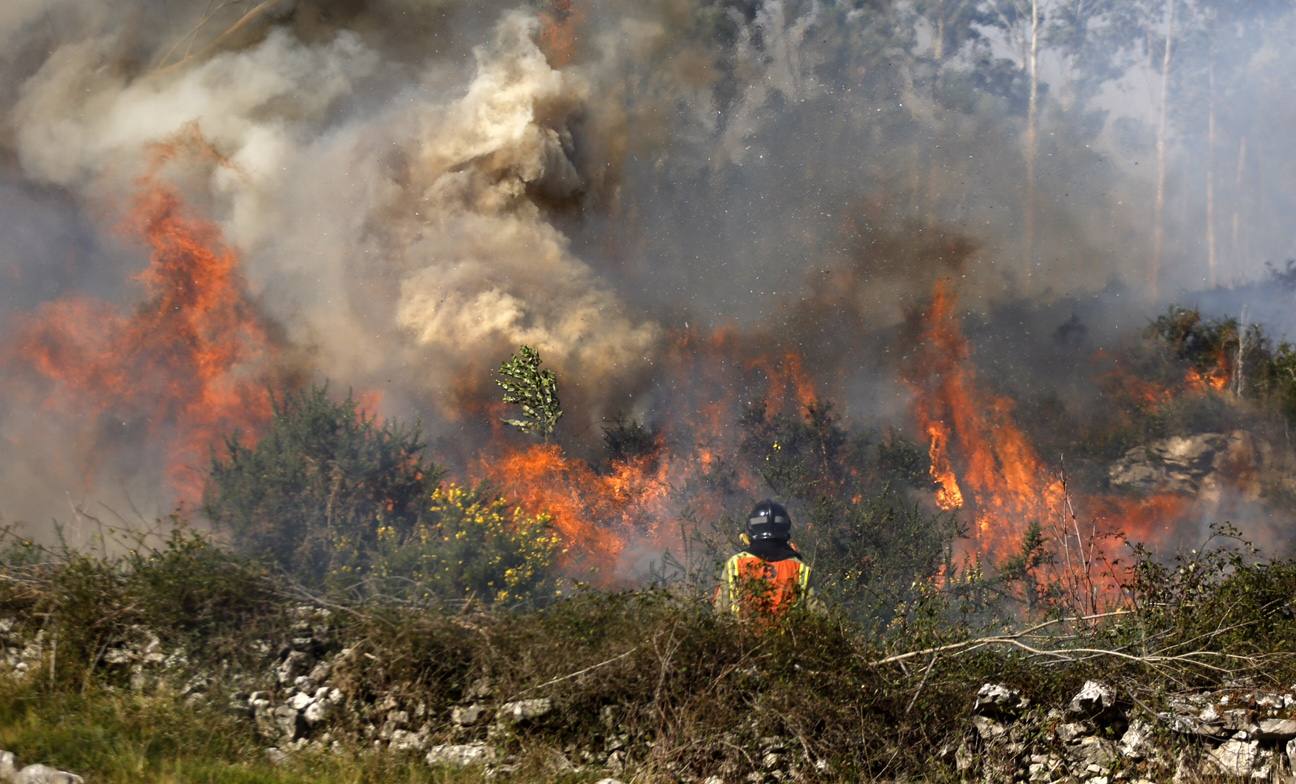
(1212, 256)
(1163, 129)
(1235, 252)
(1032, 134)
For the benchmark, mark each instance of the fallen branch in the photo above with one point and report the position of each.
(576, 674)
(996, 639)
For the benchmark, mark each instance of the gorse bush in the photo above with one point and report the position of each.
(471, 544)
(339, 500)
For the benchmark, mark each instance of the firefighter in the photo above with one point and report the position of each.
(768, 576)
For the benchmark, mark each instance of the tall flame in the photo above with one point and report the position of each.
(189, 361)
(1008, 484)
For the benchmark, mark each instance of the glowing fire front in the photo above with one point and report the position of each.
(638, 500)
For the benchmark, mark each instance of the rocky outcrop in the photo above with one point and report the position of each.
(1237, 734)
(1203, 464)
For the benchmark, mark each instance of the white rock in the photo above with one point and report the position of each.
(1094, 698)
(524, 710)
(8, 766)
(467, 715)
(994, 697)
(318, 712)
(1071, 731)
(1235, 757)
(300, 701)
(43, 774)
(1277, 729)
(1095, 752)
(405, 740)
(1135, 742)
(460, 755)
(988, 728)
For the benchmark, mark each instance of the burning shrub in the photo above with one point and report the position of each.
(325, 478)
(474, 545)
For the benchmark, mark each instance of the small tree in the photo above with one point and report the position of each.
(534, 389)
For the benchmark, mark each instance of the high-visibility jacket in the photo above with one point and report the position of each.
(751, 586)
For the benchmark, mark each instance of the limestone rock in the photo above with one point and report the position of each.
(288, 721)
(995, 699)
(1235, 757)
(988, 729)
(1191, 464)
(1095, 752)
(300, 701)
(1072, 731)
(1136, 743)
(294, 665)
(522, 711)
(467, 715)
(43, 774)
(1095, 701)
(405, 740)
(1281, 730)
(460, 755)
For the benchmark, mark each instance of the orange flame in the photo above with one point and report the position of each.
(600, 511)
(594, 512)
(190, 360)
(1007, 482)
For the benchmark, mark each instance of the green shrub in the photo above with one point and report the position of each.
(312, 494)
(187, 590)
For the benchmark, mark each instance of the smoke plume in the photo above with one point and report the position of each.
(414, 187)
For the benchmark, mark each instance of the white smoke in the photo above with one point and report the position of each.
(493, 271)
(388, 216)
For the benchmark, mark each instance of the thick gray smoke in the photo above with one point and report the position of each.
(417, 186)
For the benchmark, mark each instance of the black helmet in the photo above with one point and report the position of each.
(769, 521)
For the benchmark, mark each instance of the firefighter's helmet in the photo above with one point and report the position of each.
(769, 521)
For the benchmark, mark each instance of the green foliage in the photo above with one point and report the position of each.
(532, 388)
(472, 544)
(311, 495)
(114, 738)
(661, 668)
(1240, 357)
